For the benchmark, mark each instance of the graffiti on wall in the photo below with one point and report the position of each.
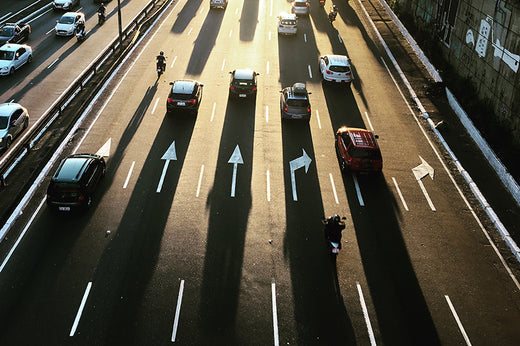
(486, 34)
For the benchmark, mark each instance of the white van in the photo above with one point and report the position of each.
(287, 24)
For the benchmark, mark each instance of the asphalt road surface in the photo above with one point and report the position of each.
(182, 245)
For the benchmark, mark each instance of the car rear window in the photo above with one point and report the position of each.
(339, 68)
(180, 96)
(365, 153)
(297, 103)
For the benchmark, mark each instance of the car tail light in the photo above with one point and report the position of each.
(307, 4)
(308, 109)
(191, 101)
(231, 87)
(81, 198)
(171, 100)
(254, 89)
(328, 72)
(285, 108)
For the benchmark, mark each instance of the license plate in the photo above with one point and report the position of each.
(242, 95)
(296, 116)
(181, 103)
(64, 208)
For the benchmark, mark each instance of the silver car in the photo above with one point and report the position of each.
(67, 24)
(13, 120)
(64, 4)
(300, 7)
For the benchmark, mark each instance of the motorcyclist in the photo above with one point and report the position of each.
(333, 13)
(80, 28)
(102, 9)
(322, 3)
(333, 228)
(161, 59)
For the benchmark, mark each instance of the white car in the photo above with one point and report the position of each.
(336, 68)
(13, 120)
(218, 3)
(13, 56)
(66, 25)
(287, 24)
(300, 7)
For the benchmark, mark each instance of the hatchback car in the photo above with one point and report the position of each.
(336, 68)
(13, 56)
(75, 180)
(184, 95)
(13, 120)
(66, 25)
(357, 150)
(300, 7)
(287, 24)
(218, 3)
(243, 83)
(65, 4)
(294, 102)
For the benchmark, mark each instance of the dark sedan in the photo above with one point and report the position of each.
(184, 95)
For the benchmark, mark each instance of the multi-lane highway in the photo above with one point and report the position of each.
(185, 244)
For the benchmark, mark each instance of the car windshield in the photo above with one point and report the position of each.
(6, 55)
(3, 122)
(365, 153)
(6, 31)
(288, 22)
(339, 68)
(66, 20)
(297, 103)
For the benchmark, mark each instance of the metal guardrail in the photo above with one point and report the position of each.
(31, 137)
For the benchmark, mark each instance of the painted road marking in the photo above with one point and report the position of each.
(310, 72)
(340, 40)
(358, 191)
(80, 310)
(318, 117)
(155, 105)
(275, 315)
(369, 122)
(173, 62)
(365, 314)
(128, 175)
(213, 112)
(268, 187)
(333, 188)
(230, 32)
(297, 163)
(105, 149)
(223, 63)
(400, 194)
(267, 67)
(266, 114)
(169, 155)
(177, 311)
(55, 61)
(189, 32)
(235, 159)
(420, 172)
(200, 180)
(461, 327)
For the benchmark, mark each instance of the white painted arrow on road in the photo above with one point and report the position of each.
(235, 159)
(169, 155)
(302, 161)
(420, 172)
(105, 149)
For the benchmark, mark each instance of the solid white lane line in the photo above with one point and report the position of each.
(201, 9)
(333, 188)
(48, 32)
(305, 38)
(340, 40)
(236, 11)
(200, 180)
(310, 72)
(177, 311)
(80, 310)
(266, 114)
(21, 235)
(318, 117)
(461, 327)
(271, 12)
(430, 203)
(369, 122)
(269, 36)
(275, 315)
(173, 62)
(400, 194)
(213, 112)
(161, 181)
(268, 187)
(365, 314)
(358, 191)
(155, 105)
(128, 175)
(223, 63)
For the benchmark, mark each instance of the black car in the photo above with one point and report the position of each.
(14, 33)
(243, 83)
(294, 102)
(75, 181)
(184, 95)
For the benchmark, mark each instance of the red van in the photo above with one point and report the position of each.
(357, 150)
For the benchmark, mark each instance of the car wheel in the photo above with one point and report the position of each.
(11, 71)
(26, 124)
(29, 59)
(7, 143)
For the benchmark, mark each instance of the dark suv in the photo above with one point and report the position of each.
(184, 95)
(74, 182)
(243, 83)
(294, 102)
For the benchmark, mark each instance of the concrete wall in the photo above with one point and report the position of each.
(481, 41)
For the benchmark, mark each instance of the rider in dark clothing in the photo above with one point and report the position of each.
(161, 59)
(333, 228)
(102, 9)
(81, 27)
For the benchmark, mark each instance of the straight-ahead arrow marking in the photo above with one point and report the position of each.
(235, 159)
(297, 163)
(420, 172)
(170, 154)
(105, 149)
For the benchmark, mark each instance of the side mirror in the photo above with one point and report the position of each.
(309, 92)
(171, 83)
(376, 136)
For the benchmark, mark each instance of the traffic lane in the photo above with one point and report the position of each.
(229, 204)
(318, 302)
(126, 267)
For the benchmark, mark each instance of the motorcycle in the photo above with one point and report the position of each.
(333, 238)
(332, 16)
(80, 35)
(160, 68)
(101, 18)
(322, 3)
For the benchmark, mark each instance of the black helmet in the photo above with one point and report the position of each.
(336, 218)
(161, 53)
